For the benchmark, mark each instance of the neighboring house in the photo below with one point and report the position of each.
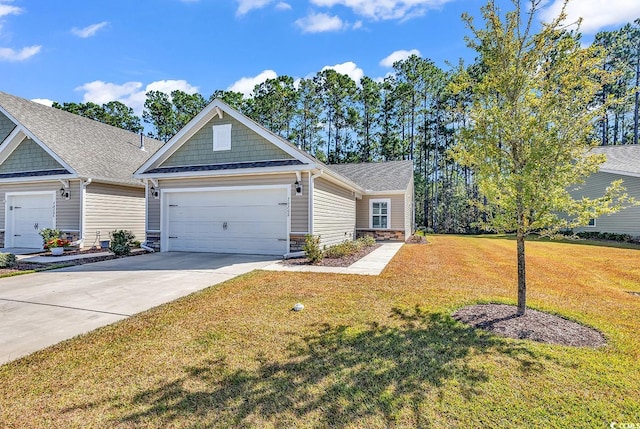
(59, 170)
(226, 184)
(623, 162)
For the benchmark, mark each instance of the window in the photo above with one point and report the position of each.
(221, 137)
(380, 210)
(592, 223)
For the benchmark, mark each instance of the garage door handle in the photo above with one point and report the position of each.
(17, 235)
(172, 237)
(282, 239)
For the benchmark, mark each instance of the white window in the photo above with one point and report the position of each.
(592, 223)
(221, 137)
(380, 213)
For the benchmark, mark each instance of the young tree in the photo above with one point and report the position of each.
(528, 139)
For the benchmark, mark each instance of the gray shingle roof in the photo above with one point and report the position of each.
(93, 149)
(623, 159)
(378, 176)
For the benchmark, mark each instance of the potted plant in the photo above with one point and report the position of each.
(56, 245)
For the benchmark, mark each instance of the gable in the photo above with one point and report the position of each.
(246, 146)
(29, 156)
(6, 126)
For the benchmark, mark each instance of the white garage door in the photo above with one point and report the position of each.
(253, 221)
(26, 215)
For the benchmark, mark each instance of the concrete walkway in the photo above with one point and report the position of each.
(62, 258)
(41, 309)
(372, 264)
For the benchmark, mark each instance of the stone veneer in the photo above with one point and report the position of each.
(382, 234)
(296, 242)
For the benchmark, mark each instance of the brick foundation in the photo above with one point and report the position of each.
(296, 242)
(153, 241)
(382, 234)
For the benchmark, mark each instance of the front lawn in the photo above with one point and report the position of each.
(365, 352)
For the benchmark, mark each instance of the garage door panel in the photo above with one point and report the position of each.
(231, 221)
(27, 215)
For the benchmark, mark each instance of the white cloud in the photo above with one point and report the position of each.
(283, 6)
(349, 68)
(245, 6)
(385, 9)
(133, 94)
(398, 56)
(320, 23)
(7, 9)
(245, 85)
(89, 30)
(44, 101)
(596, 14)
(8, 54)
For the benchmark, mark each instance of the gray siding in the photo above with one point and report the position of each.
(397, 211)
(299, 203)
(626, 221)
(334, 213)
(67, 211)
(6, 126)
(111, 207)
(29, 156)
(246, 146)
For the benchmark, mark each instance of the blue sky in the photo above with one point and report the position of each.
(103, 50)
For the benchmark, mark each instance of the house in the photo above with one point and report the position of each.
(226, 184)
(59, 170)
(623, 162)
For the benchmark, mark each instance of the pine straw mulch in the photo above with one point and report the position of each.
(534, 325)
(417, 239)
(345, 261)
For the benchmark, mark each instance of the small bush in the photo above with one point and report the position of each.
(121, 242)
(349, 247)
(367, 240)
(312, 248)
(7, 260)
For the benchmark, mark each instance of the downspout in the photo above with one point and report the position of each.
(83, 207)
(311, 185)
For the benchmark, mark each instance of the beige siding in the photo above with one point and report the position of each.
(626, 221)
(334, 213)
(408, 210)
(246, 146)
(111, 207)
(397, 211)
(299, 203)
(67, 211)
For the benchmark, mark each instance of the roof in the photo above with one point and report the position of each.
(229, 166)
(378, 176)
(93, 149)
(624, 159)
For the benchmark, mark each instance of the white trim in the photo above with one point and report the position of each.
(83, 206)
(200, 120)
(380, 200)
(164, 226)
(620, 172)
(31, 179)
(591, 226)
(8, 237)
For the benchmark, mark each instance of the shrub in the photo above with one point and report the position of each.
(349, 247)
(7, 260)
(312, 248)
(367, 240)
(121, 242)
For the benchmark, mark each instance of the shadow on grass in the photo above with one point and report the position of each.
(336, 377)
(582, 242)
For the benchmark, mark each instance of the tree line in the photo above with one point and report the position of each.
(414, 113)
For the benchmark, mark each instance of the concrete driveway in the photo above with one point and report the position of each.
(42, 309)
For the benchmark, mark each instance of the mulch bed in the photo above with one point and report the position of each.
(417, 239)
(534, 325)
(29, 266)
(334, 262)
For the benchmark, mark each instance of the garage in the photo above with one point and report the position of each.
(226, 220)
(26, 215)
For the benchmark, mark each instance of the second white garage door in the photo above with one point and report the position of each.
(254, 221)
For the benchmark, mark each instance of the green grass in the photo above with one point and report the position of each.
(365, 352)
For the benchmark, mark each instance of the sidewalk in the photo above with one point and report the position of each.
(371, 265)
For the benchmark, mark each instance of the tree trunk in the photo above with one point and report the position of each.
(522, 280)
(636, 106)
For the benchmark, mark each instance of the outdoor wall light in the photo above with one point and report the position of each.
(64, 193)
(298, 186)
(154, 192)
